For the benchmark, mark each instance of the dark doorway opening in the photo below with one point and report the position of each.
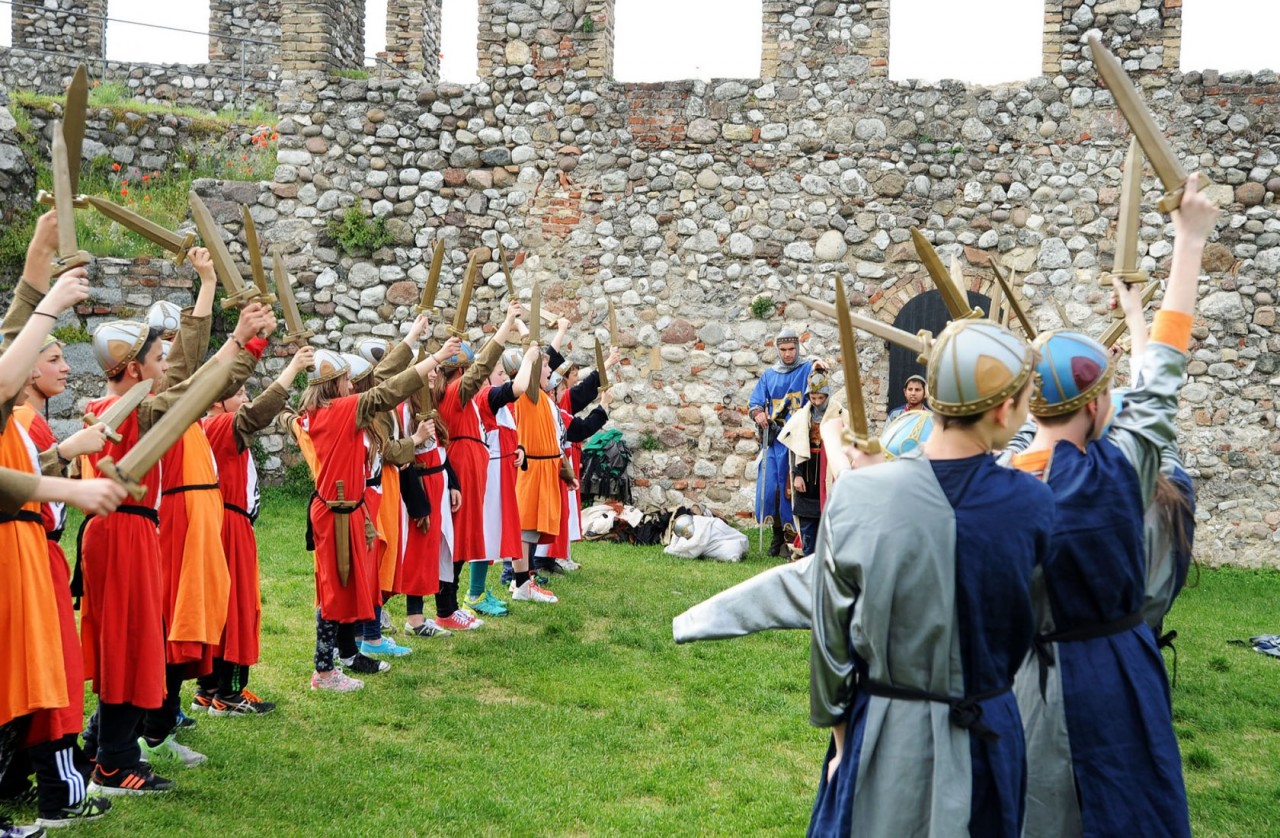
(926, 311)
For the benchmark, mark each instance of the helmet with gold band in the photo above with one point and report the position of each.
(460, 359)
(512, 358)
(360, 368)
(905, 433)
(1073, 369)
(117, 342)
(975, 365)
(372, 349)
(329, 365)
(166, 317)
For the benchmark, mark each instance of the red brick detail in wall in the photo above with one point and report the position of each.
(557, 66)
(656, 115)
(561, 213)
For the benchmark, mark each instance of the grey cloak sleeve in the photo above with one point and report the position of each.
(779, 598)
(1146, 425)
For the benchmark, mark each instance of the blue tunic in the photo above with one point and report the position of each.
(778, 394)
(1103, 759)
(936, 601)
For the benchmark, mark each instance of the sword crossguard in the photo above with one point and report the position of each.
(457, 333)
(1172, 199)
(46, 198)
(240, 299)
(869, 446)
(106, 466)
(1127, 277)
(434, 311)
(181, 256)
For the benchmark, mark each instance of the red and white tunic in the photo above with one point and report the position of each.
(501, 516)
(429, 556)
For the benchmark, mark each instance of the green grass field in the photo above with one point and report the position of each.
(585, 718)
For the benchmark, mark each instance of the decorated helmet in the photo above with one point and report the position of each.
(819, 383)
(329, 365)
(786, 335)
(372, 350)
(166, 317)
(1073, 370)
(512, 358)
(118, 342)
(166, 347)
(359, 366)
(975, 365)
(49, 340)
(683, 526)
(907, 432)
(463, 358)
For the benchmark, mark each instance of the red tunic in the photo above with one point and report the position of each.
(469, 456)
(340, 456)
(426, 551)
(238, 477)
(48, 725)
(122, 611)
(197, 581)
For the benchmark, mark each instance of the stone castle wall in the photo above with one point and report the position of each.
(683, 202)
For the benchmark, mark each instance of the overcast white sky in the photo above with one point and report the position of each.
(982, 41)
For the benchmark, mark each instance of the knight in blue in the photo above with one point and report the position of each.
(1102, 756)
(921, 620)
(781, 390)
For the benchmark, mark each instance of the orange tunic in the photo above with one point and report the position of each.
(197, 581)
(51, 725)
(538, 485)
(391, 521)
(32, 676)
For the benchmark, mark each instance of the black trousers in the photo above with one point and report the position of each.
(157, 724)
(112, 735)
(227, 679)
(447, 598)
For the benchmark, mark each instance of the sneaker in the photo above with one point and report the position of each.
(487, 603)
(429, 628)
(531, 591)
(170, 751)
(185, 721)
(9, 829)
(89, 809)
(386, 626)
(553, 568)
(386, 648)
(201, 701)
(458, 621)
(244, 704)
(335, 681)
(568, 565)
(508, 576)
(471, 612)
(140, 780)
(365, 665)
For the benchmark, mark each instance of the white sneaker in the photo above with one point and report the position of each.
(335, 680)
(531, 592)
(170, 752)
(568, 564)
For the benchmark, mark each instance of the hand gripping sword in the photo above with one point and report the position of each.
(120, 409)
(1119, 327)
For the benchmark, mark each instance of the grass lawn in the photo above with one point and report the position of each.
(585, 718)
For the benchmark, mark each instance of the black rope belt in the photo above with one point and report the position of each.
(56, 535)
(469, 439)
(25, 515)
(231, 507)
(340, 510)
(424, 471)
(529, 456)
(195, 487)
(1044, 650)
(966, 711)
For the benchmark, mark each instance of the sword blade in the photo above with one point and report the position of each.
(255, 257)
(114, 415)
(226, 269)
(1125, 266)
(1154, 144)
(464, 296)
(506, 271)
(1012, 300)
(956, 301)
(535, 314)
(297, 330)
(148, 229)
(613, 325)
(73, 116)
(884, 331)
(63, 195)
(428, 301)
(600, 370)
(852, 376)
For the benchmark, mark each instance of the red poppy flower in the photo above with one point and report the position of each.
(146, 178)
(124, 191)
(115, 167)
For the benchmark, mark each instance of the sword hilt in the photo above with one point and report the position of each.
(107, 467)
(1128, 277)
(434, 311)
(457, 333)
(240, 299)
(90, 419)
(181, 256)
(62, 264)
(869, 445)
(46, 198)
(926, 346)
(1172, 199)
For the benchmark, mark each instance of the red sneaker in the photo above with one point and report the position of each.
(458, 621)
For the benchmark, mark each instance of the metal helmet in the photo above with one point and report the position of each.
(819, 383)
(49, 340)
(974, 366)
(682, 526)
(359, 366)
(1073, 370)
(118, 342)
(166, 348)
(166, 317)
(463, 358)
(372, 350)
(787, 334)
(329, 365)
(907, 432)
(512, 358)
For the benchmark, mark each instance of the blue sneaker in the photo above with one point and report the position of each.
(387, 649)
(488, 604)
